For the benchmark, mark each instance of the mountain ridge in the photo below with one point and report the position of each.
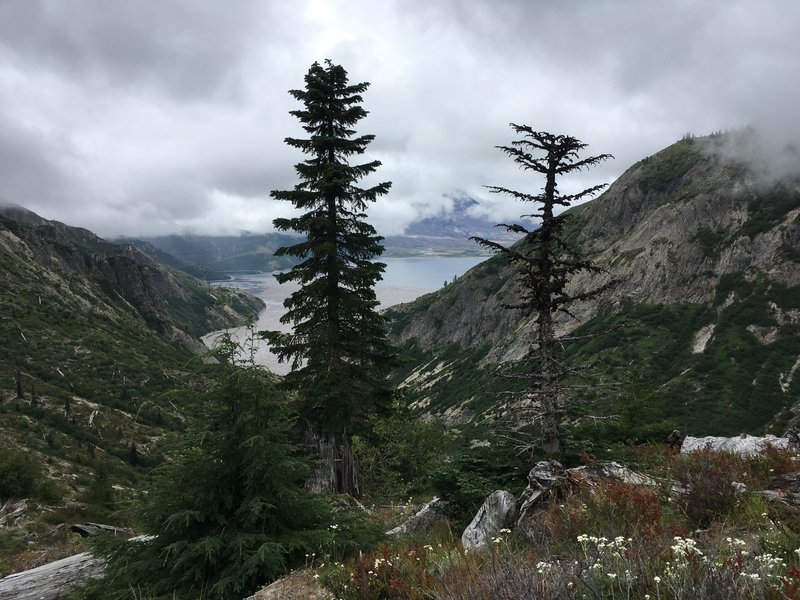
(690, 236)
(210, 257)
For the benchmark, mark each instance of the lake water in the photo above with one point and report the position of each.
(403, 280)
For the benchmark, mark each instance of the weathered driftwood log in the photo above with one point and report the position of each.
(423, 520)
(548, 479)
(92, 529)
(784, 488)
(498, 512)
(11, 510)
(541, 480)
(53, 580)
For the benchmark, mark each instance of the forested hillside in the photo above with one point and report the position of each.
(95, 335)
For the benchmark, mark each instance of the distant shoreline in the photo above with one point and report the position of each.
(405, 279)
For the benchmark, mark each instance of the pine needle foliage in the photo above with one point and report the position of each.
(230, 513)
(338, 349)
(546, 261)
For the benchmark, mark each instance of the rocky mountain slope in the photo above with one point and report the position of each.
(202, 272)
(246, 252)
(700, 333)
(94, 336)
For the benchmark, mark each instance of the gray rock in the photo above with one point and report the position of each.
(12, 510)
(739, 487)
(498, 512)
(746, 445)
(297, 585)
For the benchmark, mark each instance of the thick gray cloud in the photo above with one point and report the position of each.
(169, 115)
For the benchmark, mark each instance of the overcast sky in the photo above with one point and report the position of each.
(160, 116)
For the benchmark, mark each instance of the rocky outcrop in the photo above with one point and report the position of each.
(744, 444)
(497, 513)
(299, 585)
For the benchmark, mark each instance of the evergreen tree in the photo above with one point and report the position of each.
(545, 262)
(338, 349)
(133, 454)
(229, 514)
(100, 492)
(18, 385)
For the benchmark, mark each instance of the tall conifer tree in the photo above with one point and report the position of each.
(228, 513)
(546, 261)
(338, 349)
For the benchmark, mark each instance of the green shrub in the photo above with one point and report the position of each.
(663, 171)
(19, 474)
(397, 573)
(612, 509)
(400, 457)
(707, 477)
(473, 474)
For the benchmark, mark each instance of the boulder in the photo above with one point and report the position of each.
(422, 520)
(498, 512)
(298, 585)
(747, 445)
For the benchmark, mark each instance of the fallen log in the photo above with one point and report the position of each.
(92, 529)
(53, 580)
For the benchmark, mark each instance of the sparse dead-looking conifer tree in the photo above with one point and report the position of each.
(545, 263)
(338, 348)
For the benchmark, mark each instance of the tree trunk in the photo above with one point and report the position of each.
(551, 444)
(546, 334)
(334, 471)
